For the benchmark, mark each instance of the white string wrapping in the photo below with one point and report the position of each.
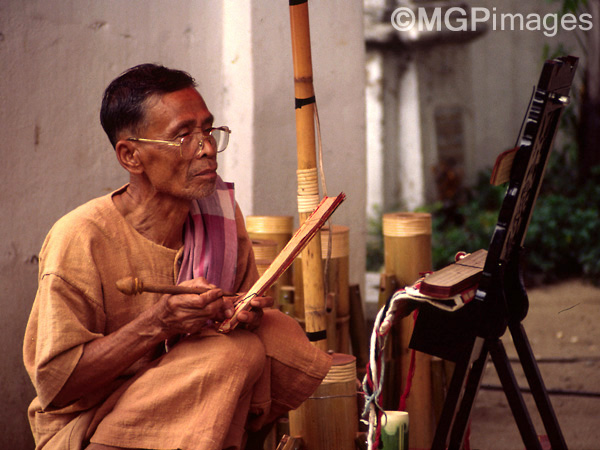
(401, 304)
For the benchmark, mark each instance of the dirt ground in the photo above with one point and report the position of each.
(562, 326)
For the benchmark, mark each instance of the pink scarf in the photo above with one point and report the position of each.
(210, 239)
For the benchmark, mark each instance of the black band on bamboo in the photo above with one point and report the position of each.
(300, 102)
(314, 336)
(297, 2)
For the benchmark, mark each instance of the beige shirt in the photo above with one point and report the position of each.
(77, 301)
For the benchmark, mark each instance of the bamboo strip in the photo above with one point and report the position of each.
(299, 241)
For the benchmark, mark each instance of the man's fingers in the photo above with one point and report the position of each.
(198, 282)
(262, 302)
(228, 308)
(250, 316)
(207, 304)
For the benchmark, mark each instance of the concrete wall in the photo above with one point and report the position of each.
(487, 81)
(57, 56)
(505, 67)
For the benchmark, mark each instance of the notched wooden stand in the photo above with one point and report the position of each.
(467, 336)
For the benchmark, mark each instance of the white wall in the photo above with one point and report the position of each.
(56, 58)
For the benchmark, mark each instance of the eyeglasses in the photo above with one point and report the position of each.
(192, 145)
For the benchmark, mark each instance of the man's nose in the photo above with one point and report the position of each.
(208, 147)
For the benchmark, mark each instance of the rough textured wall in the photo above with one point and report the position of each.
(57, 56)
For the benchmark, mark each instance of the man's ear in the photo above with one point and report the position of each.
(128, 156)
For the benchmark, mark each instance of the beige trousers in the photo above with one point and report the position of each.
(208, 390)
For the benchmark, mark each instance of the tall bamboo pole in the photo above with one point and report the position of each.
(308, 184)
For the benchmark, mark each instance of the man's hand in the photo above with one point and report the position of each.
(251, 318)
(107, 357)
(188, 313)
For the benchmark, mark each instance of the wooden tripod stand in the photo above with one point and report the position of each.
(465, 382)
(468, 336)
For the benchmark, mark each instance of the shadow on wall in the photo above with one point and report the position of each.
(16, 389)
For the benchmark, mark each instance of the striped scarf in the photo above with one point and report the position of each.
(210, 239)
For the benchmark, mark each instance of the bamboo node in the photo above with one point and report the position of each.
(270, 224)
(405, 224)
(341, 371)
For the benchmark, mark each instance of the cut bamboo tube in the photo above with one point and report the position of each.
(407, 254)
(273, 228)
(336, 257)
(265, 252)
(329, 418)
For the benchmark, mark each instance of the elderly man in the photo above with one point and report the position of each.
(150, 371)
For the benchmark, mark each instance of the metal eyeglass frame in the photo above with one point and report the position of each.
(178, 142)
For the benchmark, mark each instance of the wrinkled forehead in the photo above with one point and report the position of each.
(177, 109)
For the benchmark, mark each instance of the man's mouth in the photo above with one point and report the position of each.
(211, 171)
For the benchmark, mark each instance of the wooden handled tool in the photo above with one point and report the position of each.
(133, 285)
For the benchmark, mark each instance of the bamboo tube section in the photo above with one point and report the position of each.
(265, 252)
(328, 419)
(308, 187)
(264, 249)
(407, 254)
(278, 229)
(273, 228)
(335, 252)
(407, 245)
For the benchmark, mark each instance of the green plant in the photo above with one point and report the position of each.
(562, 237)
(375, 240)
(466, 225)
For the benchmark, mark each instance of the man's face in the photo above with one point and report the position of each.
(172, 116)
